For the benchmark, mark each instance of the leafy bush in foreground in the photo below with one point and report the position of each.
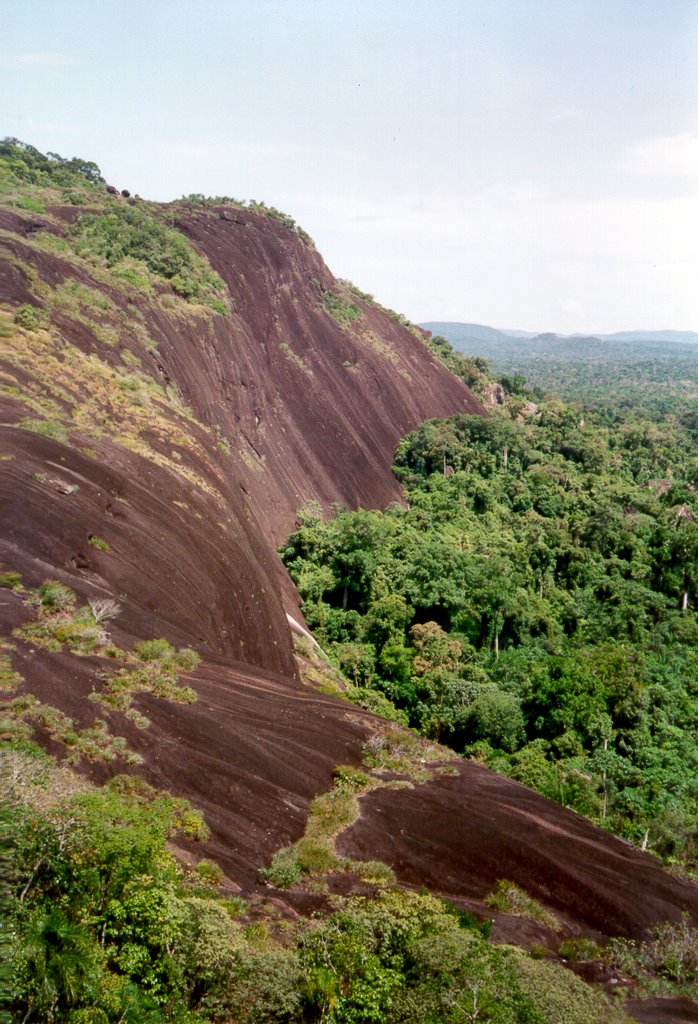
(107, 926)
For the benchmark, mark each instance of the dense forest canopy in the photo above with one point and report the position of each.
(533, 602)
(656, 373)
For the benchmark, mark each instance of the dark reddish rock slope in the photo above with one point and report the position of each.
(483, 827)
(289, 406)
(323, 405)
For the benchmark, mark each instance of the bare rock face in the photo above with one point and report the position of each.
(318, 406)
(249, 416)
(156, 453)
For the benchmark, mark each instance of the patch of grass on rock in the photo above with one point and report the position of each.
(509, 898)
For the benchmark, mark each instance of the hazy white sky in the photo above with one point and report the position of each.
(520, 163)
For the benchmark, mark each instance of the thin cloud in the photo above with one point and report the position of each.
(568, 114)
(513, 246)
(664, 156)
(43, 60)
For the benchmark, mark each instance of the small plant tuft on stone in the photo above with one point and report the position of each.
(508, 898)
(31, 318)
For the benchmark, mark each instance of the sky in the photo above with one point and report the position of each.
(528, 164)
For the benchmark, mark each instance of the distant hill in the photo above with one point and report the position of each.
(659, 364)
(460, 334)
(686, 337)
(509, 348)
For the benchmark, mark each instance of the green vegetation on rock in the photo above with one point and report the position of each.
(138, 243)
(24, 163)
(340, 308)
(106, 925)
(511, 899)
(62, 625)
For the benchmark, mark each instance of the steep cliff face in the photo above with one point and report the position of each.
(205, 432)
(156, 451)
(320, 403)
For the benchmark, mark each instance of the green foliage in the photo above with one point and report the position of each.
(457, 976)
(133, 241)
(26, 164)
(508, 898)
(534, 602)
(154, 650)
(155, 667)
(295, 358)
(60, 963)
(284, 870)
(187, 659)
(363, 963)
(198, 199)
(60, 623)
(56, 596)
(52, 428)
(98, 542)
(377, 702)
(340, 308)
(9, 678)
(10, 580)
(466, 919)
(271, 211)
(97, 909)
(92, 743)
(671, 951)
(357, 661)
(394, 749)
(314, 853)
(472, 370)
(346, 979)
(105, 927)
(157, 670)
(30, 203)
(332, 811)
(168, 657)
(208, 871)
(559, 996)
(577, 947)
(30, 317)
(347, 777)
(366, 296)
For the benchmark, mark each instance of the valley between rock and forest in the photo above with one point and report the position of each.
(343, 681)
